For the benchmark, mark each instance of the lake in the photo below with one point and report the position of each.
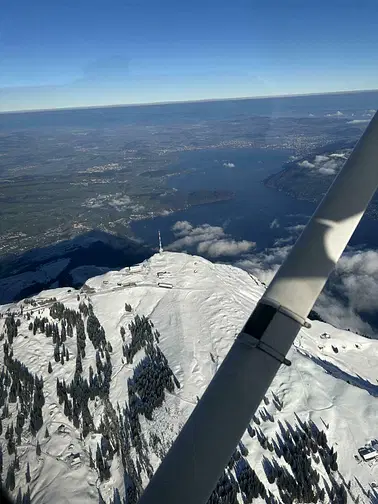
(249, 216)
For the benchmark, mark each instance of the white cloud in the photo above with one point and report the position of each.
(359, 121)
(296, 229)
(274, 224)
(181, 227)
(335, 312)
(190, 236)
(264, 265)
(369, 113)
(325, 164)
(356, 276)
(306, 164)
(229, 165)
(320, 159)
(283, 241)
(258, 269)
(331, 167)
(351, 292)
(225, 247)
(327, 171)
(336, 114)
(209, 240)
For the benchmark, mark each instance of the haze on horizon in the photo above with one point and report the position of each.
(88, 54)
(173, 102)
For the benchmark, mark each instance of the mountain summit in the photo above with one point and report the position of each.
(97, 382)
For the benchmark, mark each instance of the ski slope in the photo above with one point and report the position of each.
(333, 380)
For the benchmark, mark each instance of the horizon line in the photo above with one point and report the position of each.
(172, 102)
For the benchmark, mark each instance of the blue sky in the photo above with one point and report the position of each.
(82, 53)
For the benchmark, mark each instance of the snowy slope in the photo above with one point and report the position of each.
(197, 314)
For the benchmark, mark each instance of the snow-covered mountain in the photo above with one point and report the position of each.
(97, 382)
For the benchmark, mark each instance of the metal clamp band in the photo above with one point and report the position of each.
(249, 340)
(286, 311)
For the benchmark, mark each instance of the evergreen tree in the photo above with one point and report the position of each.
(5, 411)
(27, 474)
(243, 449)
(26, 498)
(67, 407)
(334, 466)
(87, 420)
(49, 369)
(10, 481)
(95, 330)
(11, 445)
(63, 334)
(79, 367)
(99, 462)
(19, 497)
(69, 330)
(91, 463)
(47, 434)
(38, 449)
(67, 355)
(13, 393)
(62, 358)
(56, 352)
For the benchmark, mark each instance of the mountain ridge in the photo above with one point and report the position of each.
(150, 374)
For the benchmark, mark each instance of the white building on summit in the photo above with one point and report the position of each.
(369, 452)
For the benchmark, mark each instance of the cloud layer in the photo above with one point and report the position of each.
(357, 278)
(306, 164)
(296, 229)
(208, 240)
(350, 298)
(229, 165)
(336, 114)
(328, 164)
(359, 121)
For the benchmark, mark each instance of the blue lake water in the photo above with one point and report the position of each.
(254, 207)
(250, 214)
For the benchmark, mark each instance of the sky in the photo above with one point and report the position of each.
(69, 53)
